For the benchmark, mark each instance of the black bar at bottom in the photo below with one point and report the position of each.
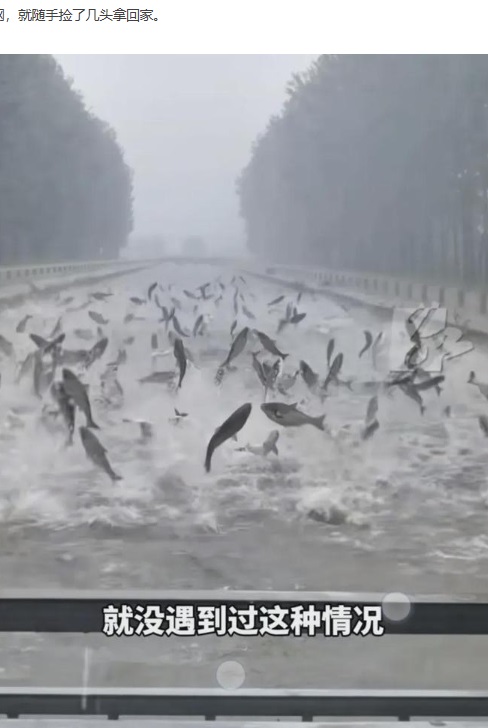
(265, 703)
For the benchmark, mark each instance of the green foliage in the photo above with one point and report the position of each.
(65, 190)
(376, 163)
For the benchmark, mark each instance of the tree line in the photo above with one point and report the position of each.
(65, 189)
(376, 163)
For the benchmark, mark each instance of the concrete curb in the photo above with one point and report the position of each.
(476, 331)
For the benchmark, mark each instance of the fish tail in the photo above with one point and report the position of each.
(319, 422)
(275, 450)
(283, 356)
(208, 459)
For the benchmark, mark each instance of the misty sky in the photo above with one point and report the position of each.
(186, 124)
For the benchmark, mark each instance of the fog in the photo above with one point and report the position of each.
(255, 424)
(187, 124)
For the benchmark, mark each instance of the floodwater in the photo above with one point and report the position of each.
(404, 511)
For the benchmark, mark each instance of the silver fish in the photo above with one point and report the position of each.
(334, 370)
(177, 327)
(269, 445)
(430, 382)
(308, 375)
(288, 415)
(330, 351)
(158, 378)
(258, 368)
(179, 352)
(247, 312)
(37, 373)
(483, 423)
(412, 393)
(228, 429)
(96, 352)
(66, 407)
(97, 317)
(85, 334)
(20, 328)
(189, 356)
(269, 344)
(237, 347)
(150, 290)
(97, 453)
(275, 301)
(369, 341)
(198, 324)
(57, 328)
(372, 409)
(78, 393)
(370, 429)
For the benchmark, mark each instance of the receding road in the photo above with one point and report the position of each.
(405, 511)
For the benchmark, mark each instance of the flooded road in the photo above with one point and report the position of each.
(404, 511)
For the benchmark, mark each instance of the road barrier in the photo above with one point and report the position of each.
(18, 274)
(467, 307)
(80, 612)
(21, 273)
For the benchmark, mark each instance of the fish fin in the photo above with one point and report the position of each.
(319, 422)
(283, 356)
(116, 477)
(234, 437)
(294, 405)
(275, 450)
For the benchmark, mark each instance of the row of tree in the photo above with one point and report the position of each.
(376, 163)
(65, 190)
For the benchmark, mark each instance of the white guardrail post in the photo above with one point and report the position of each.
(22, 273)
(468, 305)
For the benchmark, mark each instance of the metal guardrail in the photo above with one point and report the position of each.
(466, 301)
(211, 703)
(74, 611)
(18, 274)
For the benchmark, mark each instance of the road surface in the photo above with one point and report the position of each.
(405, 511)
